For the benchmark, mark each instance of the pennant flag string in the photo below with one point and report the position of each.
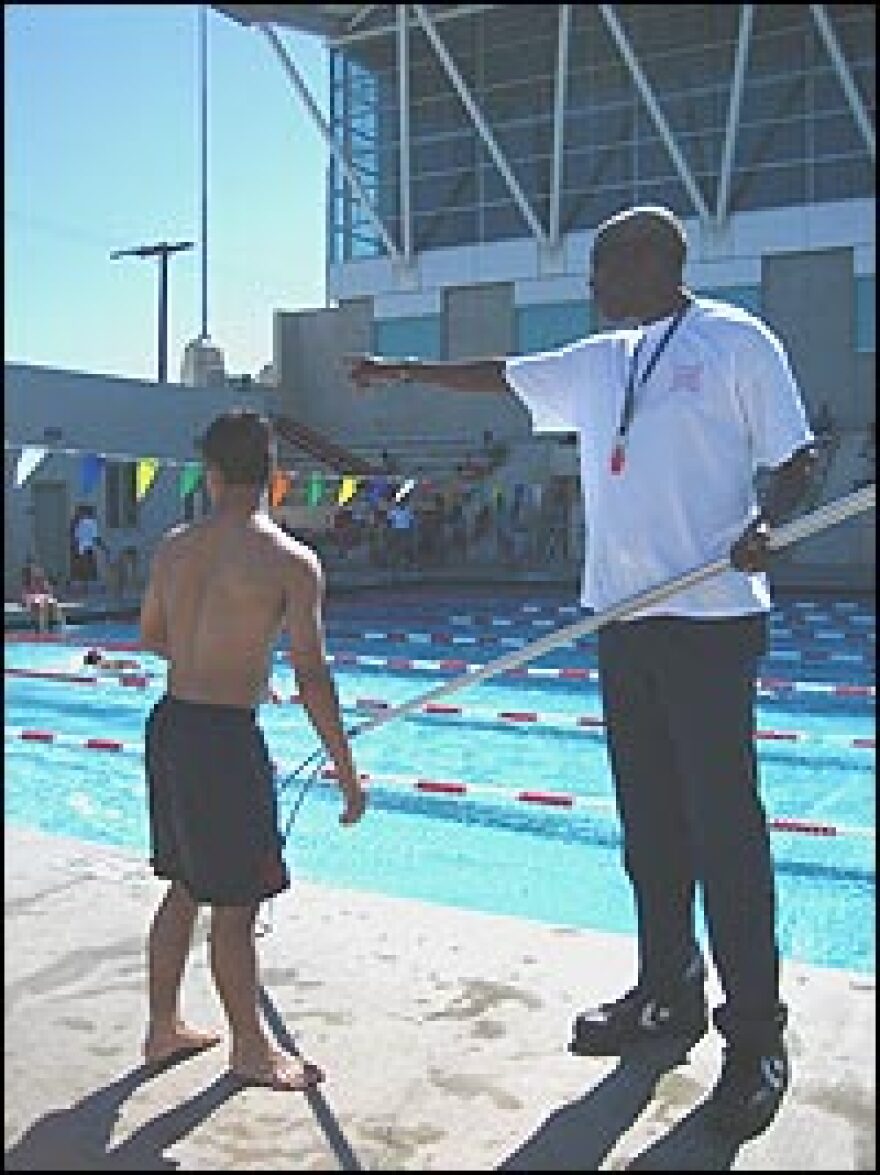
(189, 479)
(145, 475)
(29, 459)
(315, 489)
(407, 487)
(90, 474)
(347, 490)
(280, 485)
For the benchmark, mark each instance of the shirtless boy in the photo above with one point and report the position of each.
(219, 592)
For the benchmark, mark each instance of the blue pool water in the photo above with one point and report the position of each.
(487, 850)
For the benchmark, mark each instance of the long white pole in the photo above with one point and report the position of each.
(818, 520)
(783, 536)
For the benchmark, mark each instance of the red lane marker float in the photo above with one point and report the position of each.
(441, 708)
(859, 691)
(554, 799)
(446, 786)
(519, 715)
(38, 736)
(103, 744)
(790, 736)
(788, 824)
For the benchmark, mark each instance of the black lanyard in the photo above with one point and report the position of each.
(617, 455)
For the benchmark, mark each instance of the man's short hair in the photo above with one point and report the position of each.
(644, 223)
(238, 443)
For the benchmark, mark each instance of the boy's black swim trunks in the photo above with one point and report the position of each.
(212, 804)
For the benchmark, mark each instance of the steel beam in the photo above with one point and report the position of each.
(644, 88)
(319, 120)
(479, 122)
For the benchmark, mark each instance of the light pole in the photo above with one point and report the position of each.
(162, 250)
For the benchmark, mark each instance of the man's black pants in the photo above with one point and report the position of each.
(679, 698)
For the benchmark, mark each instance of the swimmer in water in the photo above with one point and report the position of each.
(96, 659)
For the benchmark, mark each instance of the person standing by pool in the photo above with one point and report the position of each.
(87, 540)
(218, 593)
(676, 409)
(39, 597)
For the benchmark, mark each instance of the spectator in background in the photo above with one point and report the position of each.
(401, 528)
(76, 574)
(87, 540)
(868, 455)
(823, 426)
(39, 598)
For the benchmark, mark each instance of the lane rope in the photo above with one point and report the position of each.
(535, 797)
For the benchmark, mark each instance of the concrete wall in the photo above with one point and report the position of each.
(315, 389)
(808, 298)
(98, 414)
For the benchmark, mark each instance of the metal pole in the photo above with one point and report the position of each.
(817, 520)
(162, 251)
(203, 48)
(163, 317)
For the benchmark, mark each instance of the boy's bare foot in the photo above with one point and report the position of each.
(161, 1046)
(276, 1070)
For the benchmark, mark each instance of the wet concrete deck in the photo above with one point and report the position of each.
(442, 1033)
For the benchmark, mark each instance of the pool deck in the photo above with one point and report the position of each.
(442, 1033)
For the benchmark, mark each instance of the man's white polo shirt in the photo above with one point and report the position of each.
(720, 403)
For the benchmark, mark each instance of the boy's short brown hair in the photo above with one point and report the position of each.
(238, 443)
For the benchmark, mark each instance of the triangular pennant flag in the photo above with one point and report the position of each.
(315, 489)
(347, 490)
(281, 483)
(90, 472)
(406, 488)
(145, 475)
(189, 479)
(28, 460)
(376, 489)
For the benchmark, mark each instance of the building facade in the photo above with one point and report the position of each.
(476, 148)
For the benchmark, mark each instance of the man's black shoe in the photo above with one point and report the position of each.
(749, 1091)
(640, 1017)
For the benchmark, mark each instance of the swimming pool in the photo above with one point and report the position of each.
(499, 799)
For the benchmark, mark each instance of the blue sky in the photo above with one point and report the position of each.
(102, 151)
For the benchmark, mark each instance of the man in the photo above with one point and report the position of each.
(219, 591)
(87, 540)
(676, 410)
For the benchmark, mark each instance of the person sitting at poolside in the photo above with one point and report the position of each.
(97, 660)
(38, 596)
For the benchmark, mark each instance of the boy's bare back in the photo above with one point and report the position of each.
(223, 587)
